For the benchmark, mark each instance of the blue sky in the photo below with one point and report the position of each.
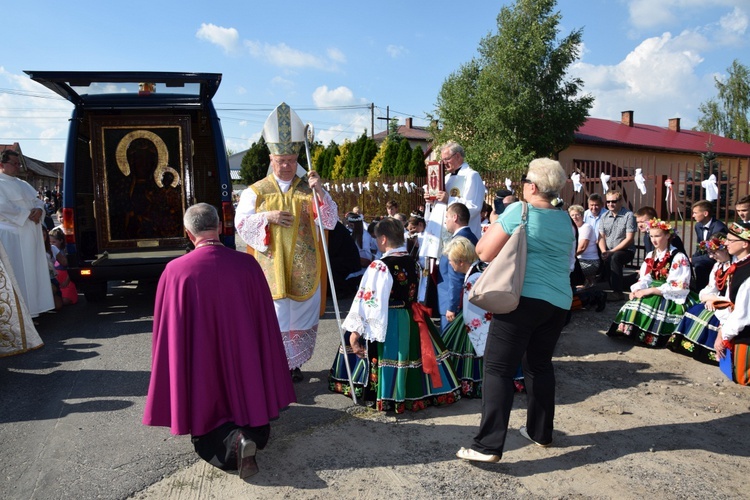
(658, 58)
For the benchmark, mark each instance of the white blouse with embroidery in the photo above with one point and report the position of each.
(712, 290)
(677, 285)
(368, 315)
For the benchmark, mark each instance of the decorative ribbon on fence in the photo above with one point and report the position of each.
(576, 178)
(508, 185)
(712, 191)
(605, 181)
(668, 183)
(640, 181)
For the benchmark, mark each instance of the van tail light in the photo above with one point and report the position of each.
(68, 226)
(227, 214)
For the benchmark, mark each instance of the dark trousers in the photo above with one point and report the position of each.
(528, 336)
(702, 265)
(613, 268)
(219, 446)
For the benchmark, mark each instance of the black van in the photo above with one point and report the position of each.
(142, 147)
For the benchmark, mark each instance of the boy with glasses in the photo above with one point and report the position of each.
(733, 339)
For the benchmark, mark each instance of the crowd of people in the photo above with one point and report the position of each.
(412, 337)
(34, 276)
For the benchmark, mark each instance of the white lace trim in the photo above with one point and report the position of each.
(252, 230)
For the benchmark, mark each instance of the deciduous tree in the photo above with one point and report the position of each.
(728, 114)
(515, 100)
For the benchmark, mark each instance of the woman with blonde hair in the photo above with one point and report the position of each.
(587, 252)
(529, 334)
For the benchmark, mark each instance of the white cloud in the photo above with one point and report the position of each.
(226, 38)
(335, 54)
(646, 14)
(732, 28)
(278, 81)
(285, 56)
(333, 133)
(736, 21)
(396, 51)
(33, 116)
(658, 80)
(650, 13)
(340, 96)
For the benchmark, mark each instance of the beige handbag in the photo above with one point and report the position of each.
(498, 289)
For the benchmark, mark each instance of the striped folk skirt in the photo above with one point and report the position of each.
(695, 335)
(650, 320)
(391, 377)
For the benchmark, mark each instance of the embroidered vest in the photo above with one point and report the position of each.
(292, 261)
(741, 273)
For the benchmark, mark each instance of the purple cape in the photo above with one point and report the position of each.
(217, 353)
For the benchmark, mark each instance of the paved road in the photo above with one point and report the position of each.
(70, 412)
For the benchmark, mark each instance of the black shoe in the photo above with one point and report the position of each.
(296, 375)
(246, 464)
(614, 332)
(601, 301)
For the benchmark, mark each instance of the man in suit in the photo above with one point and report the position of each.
(705, 227)
(450, 283)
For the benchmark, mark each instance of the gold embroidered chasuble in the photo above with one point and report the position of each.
(291, 262)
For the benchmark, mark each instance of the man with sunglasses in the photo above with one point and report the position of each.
(616, 242)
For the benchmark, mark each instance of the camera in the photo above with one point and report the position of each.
(499, 206)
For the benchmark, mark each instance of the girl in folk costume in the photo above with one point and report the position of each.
(466, 336)
(661, 295)
(398, 360)
(467, 333)
(733, 340)
(696, 334)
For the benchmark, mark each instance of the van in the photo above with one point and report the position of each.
(141, 148)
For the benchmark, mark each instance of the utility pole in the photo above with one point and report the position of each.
(387, 120)
(372, 120)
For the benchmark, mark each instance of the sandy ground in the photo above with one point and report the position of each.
(631, 422)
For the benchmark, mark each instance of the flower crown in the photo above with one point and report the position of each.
(660, 224)
(740, 230)
(717, 242)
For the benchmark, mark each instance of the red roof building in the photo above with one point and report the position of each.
(416, 135)
(618, 148)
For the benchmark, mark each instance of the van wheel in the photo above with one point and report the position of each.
(96, 293)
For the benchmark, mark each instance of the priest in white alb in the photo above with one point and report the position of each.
(21, 212)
